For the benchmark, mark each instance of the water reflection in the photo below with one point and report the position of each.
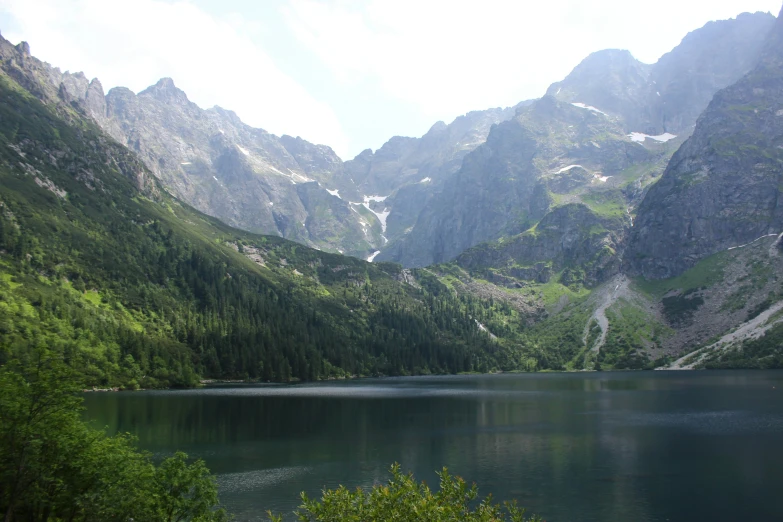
(613, 446)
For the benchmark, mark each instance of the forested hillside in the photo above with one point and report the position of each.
(135, 288)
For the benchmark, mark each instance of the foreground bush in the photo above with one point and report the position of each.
(53, 466)
(403, 499)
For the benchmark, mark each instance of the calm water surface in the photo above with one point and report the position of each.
(636, 446)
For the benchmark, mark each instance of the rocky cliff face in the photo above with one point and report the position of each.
(410, 171)
(722, 189)
(551, 153)
(245, 176)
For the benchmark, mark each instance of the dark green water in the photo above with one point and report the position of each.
(636, 446)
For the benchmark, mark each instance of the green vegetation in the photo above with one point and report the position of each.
(766, 352)
(705, 273)
(55, 467)
(631, 335)
(404, 499)
(135, 289)
(606, 203)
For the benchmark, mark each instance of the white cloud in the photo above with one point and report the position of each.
(450, 56)
(133, 43)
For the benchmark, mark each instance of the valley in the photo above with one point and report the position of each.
(546, 226)
(481, 299)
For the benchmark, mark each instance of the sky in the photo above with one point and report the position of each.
(350, 73)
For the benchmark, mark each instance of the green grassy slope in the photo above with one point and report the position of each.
(134, 288)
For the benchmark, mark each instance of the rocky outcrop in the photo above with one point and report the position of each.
(722, 189)
(611, 80)
(242, 175)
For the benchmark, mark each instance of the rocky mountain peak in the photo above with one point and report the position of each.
(166, 91)
(438, 126)
(24, 48)
(772, 56)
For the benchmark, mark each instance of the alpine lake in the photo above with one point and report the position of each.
(599, 446)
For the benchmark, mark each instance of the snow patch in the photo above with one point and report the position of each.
(426, 180)
(566, 169)
(243, 150)
(215, 178)
(639, 137)
(372, 256)
(558, 90)
(589, 108)
(380, 215)
(601, 178)
(185, 163)
(746, 244)
(657, 93)
(484, 329)
(335, 193)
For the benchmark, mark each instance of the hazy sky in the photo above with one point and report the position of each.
(350, 73)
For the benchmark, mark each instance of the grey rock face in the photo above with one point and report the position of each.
(410, 171)
(209, 158)
(502, 187)
(723, 187)
(611, 80)
(669, 95)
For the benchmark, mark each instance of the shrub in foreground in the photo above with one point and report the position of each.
(53, 466)
(403, 499)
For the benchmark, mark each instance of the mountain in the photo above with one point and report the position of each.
(133, 287)
(693, 282)
(550, 154)
(245, 176)
(722, 188)
(499, 189)
(405, 173)
(669, 95)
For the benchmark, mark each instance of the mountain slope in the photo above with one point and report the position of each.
(134, 288)
(550, 153)
(723, 187)
(490, 196)
(706, 239)
(209, 158)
